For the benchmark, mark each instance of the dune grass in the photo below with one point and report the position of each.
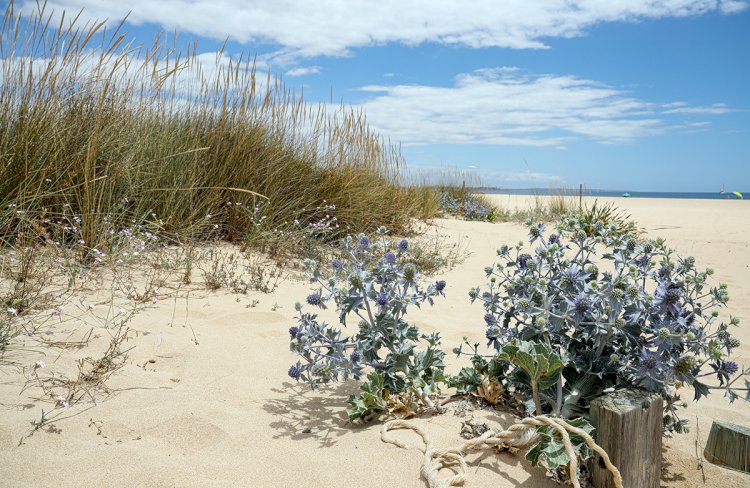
(95, 126)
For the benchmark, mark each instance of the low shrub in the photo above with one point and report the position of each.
(620, 312)
(469, 207)
(374, 286)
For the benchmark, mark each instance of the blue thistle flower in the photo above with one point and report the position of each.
(389, 257)
(668, 297)
(571, 276)
(523, 261)
(293, 331)
(553, 239)
(581, 305)
(337, 263)
(440, 285)
(650, 361)
(664, 272)
(487, 295)
(355, 356)
(364, 242)
(295, 371)
(650, 370)
(403, 245)
(490, 319)
(314, 298)
(382, 299)
(730, 367)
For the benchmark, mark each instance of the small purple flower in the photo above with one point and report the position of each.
(650, 361)
(382, 299)
(486, 295)
(650, 370)
(581, 305)
(364, 242)
(440, 285)
(664, 272)
(668, 297)
(293, 331)
(389, 257)
(355, 356)
(295, 371)
(490, 319)
(571, 276)
(314, 298)
(730, 367)
(523, 260)
(337, 264)
(403, 245)
(553, 239)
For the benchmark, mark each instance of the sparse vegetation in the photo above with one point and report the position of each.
(130, 169)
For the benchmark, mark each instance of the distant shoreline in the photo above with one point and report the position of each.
(610, 193)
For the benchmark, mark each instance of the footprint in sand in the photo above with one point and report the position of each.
(188, 434)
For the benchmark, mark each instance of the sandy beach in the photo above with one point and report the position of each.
(205, 399)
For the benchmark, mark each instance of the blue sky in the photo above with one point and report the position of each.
(649, 96)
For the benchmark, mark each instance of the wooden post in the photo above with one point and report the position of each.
(628, 427)
(580, 198)
(728, 445)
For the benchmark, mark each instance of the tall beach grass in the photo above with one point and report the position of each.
(95, 126)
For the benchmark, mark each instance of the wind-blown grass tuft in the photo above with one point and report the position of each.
(116, 132)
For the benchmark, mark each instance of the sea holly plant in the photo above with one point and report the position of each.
(538, 364)
(620, 311)
(468, 207)
(371, 287)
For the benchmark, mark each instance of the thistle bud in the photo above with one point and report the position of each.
(410, 273)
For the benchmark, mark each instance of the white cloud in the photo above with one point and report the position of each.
(508, 107)
(332, 28)
(683, 108)
(521, 177)
(500, 106)
(304, 71)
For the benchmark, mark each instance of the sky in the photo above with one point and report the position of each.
(621, 95)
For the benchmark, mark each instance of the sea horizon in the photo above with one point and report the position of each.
(729, 195)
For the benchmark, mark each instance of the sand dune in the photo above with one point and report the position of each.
(216, 408)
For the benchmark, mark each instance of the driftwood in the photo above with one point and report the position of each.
(628, 427)
(728, 445)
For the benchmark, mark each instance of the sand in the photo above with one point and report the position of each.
(216, 408)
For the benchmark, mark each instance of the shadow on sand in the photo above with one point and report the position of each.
(306, 414)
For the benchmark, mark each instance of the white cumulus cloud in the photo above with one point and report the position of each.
(683, 108)
(508, 107)
(304, 71)
(333, 27)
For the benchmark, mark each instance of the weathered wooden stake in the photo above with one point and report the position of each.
(628, 426)
(728, 445)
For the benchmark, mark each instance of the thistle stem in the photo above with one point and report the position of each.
(535, 394)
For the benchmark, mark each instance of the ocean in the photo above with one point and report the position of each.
(613, 193)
